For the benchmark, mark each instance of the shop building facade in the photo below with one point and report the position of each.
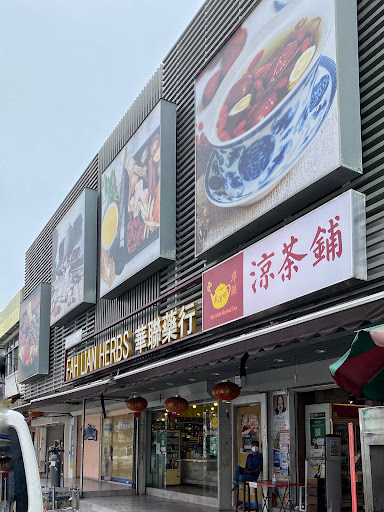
(150, 268)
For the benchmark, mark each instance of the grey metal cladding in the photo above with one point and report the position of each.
(174, 81)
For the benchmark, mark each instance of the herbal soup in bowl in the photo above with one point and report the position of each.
(256, 107)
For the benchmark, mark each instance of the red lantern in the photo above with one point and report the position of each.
(176, 405)
(226, 391)
(137, 404)
(35, 414)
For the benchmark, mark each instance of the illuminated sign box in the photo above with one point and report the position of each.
(176, 324)
(74, 260)
(138, 209)
(34, 334)
(10, 316)
(277, 117)
(323, 248)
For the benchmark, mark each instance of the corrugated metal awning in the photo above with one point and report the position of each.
(348, 316)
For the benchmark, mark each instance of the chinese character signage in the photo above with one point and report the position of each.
(34, 334)
(174, 325)
(325, 247)
(138, 204)
(73, 283)
(277, 112)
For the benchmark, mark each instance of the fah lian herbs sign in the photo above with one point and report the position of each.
(321, 249)
(174, 325)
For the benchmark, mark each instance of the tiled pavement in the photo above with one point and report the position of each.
(135, 503)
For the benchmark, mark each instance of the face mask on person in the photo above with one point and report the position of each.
(255, 449)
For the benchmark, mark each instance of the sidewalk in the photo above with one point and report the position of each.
(135, 503)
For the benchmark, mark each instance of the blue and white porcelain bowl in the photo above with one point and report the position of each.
(245, 169)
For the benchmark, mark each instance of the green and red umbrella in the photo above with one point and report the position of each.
(361, 370)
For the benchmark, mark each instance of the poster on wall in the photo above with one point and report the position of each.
(272, 120)
(250, 431)
(318, 431)
(73, 282)
(280, 433)
(138, 204)
(34, 334)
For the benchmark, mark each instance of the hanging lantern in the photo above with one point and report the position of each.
(226, 391)
(35, 414)
(176, 405)
(137, 404)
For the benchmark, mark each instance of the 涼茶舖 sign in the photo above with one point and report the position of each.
(322, 248)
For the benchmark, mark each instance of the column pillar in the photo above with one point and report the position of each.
(224, 462)
(141, 458)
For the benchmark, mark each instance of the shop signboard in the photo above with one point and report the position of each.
(74, 260)
(176, 324)
(138, 209)
(277, 119)
(324, 247)
(10, 315)
(34, 334)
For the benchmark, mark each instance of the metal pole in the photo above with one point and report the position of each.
(82, 450)
(352, 466)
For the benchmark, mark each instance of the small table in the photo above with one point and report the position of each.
(281, 484)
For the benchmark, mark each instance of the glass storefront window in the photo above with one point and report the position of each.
(184, 452)
(117, 448)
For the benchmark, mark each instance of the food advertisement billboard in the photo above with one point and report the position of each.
(74, 264)
(34, 334)
(321, 249)
(277, 119)
(138, 204)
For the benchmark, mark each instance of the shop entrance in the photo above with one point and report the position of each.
(55, 444)
(183, 456)
(249, 424)
(319, 413)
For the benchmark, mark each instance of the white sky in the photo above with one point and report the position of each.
(69, 71)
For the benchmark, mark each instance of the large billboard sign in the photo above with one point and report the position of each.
(138, 204)
(74, 259)
(277, 119)
(10, 315)
(323, 248)
(34, 334)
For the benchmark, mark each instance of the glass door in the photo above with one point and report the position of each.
(250, 424)
(158, 458)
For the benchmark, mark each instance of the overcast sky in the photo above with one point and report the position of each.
(69, 69)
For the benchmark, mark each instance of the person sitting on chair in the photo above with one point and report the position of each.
(253, 466)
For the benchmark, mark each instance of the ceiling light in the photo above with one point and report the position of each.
(194, 406)
(320, 351)
(215, 404)
(169, 383)
(214, 373)
(192, 380)
(279, 360)
(152, 389)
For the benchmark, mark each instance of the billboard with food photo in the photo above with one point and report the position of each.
(277, 119)
(73, 282)
(34, 334)
(138, 204)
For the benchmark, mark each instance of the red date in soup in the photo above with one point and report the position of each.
(270, 76)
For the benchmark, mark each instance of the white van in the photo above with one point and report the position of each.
(20, 488)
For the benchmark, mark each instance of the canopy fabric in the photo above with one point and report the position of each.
(361, 370)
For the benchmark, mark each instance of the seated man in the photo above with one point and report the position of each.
(253, 466)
